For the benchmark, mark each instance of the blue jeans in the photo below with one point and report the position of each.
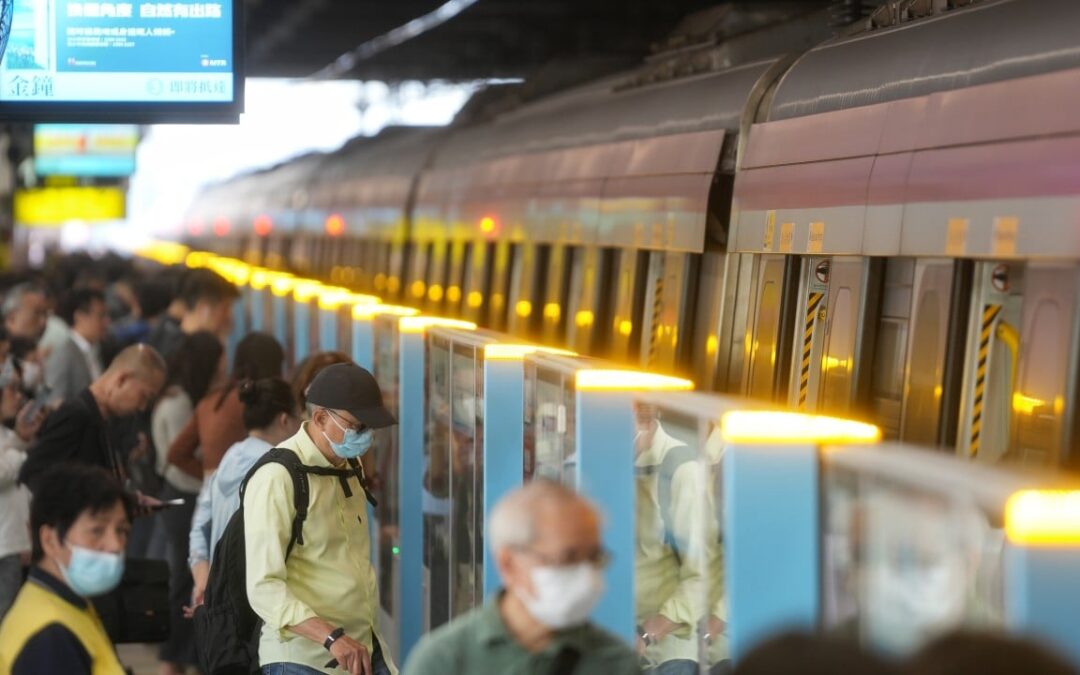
(378, 666)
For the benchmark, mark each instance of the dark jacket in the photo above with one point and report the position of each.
(76, 432)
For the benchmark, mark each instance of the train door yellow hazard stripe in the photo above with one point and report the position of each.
(812, 302)
(989, 316)
(657, 313)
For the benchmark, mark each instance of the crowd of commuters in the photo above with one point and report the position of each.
(128, 430)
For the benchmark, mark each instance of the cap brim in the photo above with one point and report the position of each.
(375, 418)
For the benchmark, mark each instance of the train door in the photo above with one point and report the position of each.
(399, 258)
(770, 327)
(455, 279)
(418, 271)
(929, 409)
(588, 300)
(705, 350)
(832, 313)
(670, 290)
(477, 280)
(1046, 377)
(553, 320)
(525, 285)
(436, 279)
(629, 301)
(914, 388)
(499, 290)
(993, 349)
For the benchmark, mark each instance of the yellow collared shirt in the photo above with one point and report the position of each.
(330, 576)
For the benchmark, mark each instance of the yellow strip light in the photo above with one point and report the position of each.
(629, 380)
(762, 427)
(1043, 517)
(516, 352)
(419, 324)
(282, 286)
(368, 311)
(306, 289)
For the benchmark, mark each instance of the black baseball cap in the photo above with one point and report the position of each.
(347, 386)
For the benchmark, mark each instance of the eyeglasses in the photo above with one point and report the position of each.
(345, 425)
(599, 557)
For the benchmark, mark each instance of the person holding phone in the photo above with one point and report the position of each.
(14, 498)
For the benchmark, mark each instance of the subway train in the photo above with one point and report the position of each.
(882, 224)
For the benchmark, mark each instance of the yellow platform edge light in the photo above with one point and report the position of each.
(765, 427)
(629, 380)
(367, 311)
(419, 324)
(306, 289)
(1043, 517)
(516, 352)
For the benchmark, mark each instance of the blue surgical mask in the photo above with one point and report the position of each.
(354, 444)
(91, 573)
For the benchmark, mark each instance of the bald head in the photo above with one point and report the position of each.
(140, 360)
(541, 509)
(131, 383)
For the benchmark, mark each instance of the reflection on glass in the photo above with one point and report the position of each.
(902, 566)
(464, 468)
(435, 499)
(386, 448)
(679, 605)
(552, 454)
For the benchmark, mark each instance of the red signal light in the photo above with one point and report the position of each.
(263, 225)
(335, 225)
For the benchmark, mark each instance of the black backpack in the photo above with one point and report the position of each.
(226, 628)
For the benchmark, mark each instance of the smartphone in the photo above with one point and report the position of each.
(39, 402)
(166, 504)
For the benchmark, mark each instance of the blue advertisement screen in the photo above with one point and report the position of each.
(125, 52)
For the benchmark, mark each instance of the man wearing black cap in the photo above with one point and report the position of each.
(318, 601)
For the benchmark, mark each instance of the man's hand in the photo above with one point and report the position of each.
(351, 656)
(656, 627)
(27, 425)
(200, 572)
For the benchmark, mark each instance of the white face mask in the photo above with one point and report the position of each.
(565, 595)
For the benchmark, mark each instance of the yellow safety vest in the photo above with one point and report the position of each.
(34, 609)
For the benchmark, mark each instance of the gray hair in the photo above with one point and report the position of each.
(14, 297)
(513, 520)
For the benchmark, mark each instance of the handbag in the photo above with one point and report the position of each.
(137, 611)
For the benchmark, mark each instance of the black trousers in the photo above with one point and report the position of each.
(176, 521)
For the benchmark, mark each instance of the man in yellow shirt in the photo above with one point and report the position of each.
(318, 601)
(80, 516)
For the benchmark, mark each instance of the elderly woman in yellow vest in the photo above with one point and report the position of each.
(80, 517)
(678, 555)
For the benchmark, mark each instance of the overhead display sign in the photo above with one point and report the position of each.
(52, 207)
(128, 60)
(85, 149)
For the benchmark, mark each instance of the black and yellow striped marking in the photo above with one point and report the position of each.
(812, 302)
(989, 316)
(657, 311)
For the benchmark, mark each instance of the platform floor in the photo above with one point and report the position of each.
(142, 659)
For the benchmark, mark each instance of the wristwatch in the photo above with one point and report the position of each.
(332, 637)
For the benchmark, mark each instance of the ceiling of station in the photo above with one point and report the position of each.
(486, 39)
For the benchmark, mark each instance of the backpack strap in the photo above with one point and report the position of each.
(673, 459)
(301, 491)
(355, 470)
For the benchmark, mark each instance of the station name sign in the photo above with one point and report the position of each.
(120, 61)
